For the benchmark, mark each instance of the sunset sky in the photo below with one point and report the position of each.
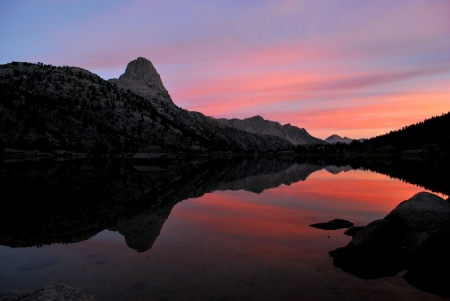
(354, 68)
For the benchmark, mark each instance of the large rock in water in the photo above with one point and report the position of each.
(374, 251)
(415, 236)
(422, 212)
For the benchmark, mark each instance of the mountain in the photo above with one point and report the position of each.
(338, 139)
(259, 125)
(43, 107)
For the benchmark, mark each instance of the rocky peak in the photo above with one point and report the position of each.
(142, 78)
(142, 69)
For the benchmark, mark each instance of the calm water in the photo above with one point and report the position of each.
(218, 233)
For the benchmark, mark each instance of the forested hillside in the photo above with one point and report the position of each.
(45, 108)
(435, 130)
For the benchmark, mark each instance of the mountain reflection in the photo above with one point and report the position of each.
(67, 202)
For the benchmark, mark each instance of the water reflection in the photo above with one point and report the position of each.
(66, 203)
(233, 241)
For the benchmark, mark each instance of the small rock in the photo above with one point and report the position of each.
(333, 225)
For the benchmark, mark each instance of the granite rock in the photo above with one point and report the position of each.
(54, 292)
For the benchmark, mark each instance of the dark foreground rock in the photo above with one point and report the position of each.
(372, 253)
(333, 225)
(54, 292)
(415, 237)
(422, 212)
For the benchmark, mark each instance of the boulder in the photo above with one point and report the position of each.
(412, 242)
(52, 292)
(423, 212)
(333, 225)
(374, 251)
(431, 250)
(379, 234)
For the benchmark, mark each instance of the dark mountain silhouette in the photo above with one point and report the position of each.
(46, 108)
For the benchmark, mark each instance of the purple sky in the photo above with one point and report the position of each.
(355, 68)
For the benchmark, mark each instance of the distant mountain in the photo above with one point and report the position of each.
(338, 139)
(259, 125)
(43, 107)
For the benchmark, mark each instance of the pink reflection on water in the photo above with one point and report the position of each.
(277, 220)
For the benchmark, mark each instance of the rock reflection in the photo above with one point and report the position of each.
(141, 231)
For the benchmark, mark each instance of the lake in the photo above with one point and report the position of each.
(231, 229)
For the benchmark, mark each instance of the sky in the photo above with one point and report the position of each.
(347, 67)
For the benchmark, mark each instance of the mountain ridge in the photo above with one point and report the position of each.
(45, 107)
(259, 125)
